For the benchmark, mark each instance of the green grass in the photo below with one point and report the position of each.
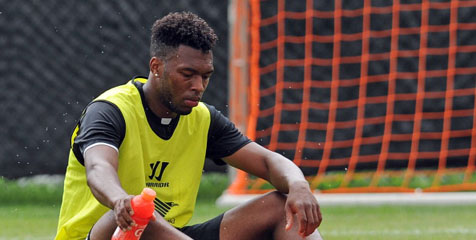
(24, 222)
(26, 219)
(399, 222)
(28, 192)
(340, 222)
(419, 180)
(29, 222)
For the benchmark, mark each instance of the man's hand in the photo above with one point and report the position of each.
(123, 213)
(302, 203)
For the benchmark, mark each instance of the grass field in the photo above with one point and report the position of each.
(24, 220)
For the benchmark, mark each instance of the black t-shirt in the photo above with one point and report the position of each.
(103, 122)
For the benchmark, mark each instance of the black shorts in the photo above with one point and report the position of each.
(209, 230)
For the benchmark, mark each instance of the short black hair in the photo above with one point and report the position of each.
(179, 28)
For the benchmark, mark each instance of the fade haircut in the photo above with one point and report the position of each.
(180, 28)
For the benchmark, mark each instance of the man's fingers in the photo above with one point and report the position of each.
(123, 224)
(128, 207)
(311, 221)
(289, 218)
(128, 223)
(317, 212)
(124, 213)
(302, 220)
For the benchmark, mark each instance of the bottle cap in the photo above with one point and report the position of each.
(148, 194)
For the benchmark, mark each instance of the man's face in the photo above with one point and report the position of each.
(185, 78)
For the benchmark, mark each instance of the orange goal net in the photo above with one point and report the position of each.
(363, 95)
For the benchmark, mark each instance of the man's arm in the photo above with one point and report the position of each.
(287, 178)
(101, 162)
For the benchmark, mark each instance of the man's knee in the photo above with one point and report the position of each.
(260, 217)
(274, 203)
(104, 227)
(275, 198)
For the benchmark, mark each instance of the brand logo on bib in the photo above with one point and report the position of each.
(154, 167)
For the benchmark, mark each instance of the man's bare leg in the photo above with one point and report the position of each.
(156, 229)
(262, 218)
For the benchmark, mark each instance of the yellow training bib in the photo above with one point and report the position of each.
(172, 168)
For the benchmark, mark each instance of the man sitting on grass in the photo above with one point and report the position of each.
(155, 132)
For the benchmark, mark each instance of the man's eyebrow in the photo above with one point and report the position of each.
(193, 70)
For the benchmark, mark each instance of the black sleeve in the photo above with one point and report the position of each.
(224, 138)
(101, 122)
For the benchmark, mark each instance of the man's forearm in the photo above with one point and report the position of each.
(105, 185)
(101, 173)
(284, 175)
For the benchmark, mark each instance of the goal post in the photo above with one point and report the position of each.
(364, 96)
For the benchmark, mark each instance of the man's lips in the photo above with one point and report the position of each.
(191, 102)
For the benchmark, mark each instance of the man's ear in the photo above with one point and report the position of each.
(156, 66)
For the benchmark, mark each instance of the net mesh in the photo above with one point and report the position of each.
(56, 56)
(365, 96)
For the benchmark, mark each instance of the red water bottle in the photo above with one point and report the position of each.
(143, 207)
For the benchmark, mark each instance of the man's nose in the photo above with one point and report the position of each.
(198, 84)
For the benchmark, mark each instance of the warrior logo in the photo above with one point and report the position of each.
(154, 167)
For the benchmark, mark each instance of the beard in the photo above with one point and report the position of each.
(167, 100)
